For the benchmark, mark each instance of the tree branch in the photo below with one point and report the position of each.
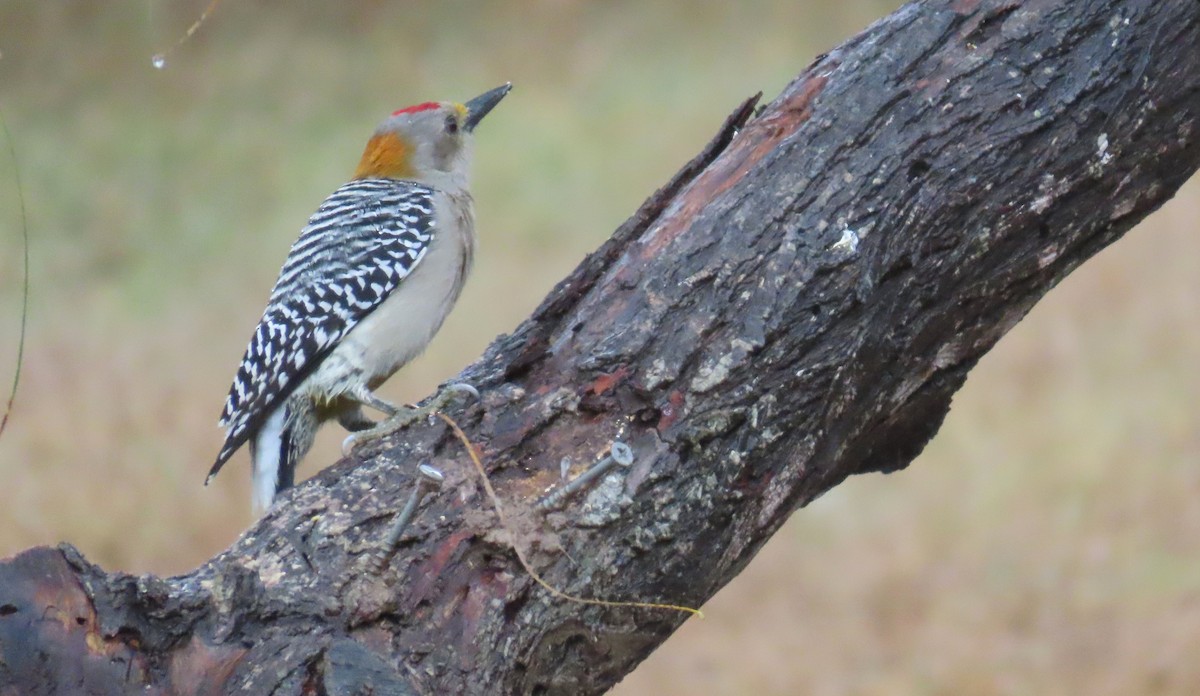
(797, 305)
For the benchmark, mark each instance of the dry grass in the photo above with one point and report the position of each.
(1045, 543)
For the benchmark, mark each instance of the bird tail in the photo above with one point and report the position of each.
(270, 463)
(275, 450)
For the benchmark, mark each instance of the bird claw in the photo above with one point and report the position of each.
(461, 388)
(406, 416)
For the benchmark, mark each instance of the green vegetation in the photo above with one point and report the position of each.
(1045, 543)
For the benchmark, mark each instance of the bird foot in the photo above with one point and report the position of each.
(407, 415)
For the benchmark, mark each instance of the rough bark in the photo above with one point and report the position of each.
(797, 305)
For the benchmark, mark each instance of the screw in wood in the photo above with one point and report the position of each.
(619, 454)
(428, 478)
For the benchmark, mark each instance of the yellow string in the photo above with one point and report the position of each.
(521, 555)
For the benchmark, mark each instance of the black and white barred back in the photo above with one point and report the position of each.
(355, 251)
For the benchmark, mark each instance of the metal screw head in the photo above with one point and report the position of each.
(431, 476)
(621, 453)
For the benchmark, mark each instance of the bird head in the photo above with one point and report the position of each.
(427, 142)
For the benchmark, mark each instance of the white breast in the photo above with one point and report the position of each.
(400, 328)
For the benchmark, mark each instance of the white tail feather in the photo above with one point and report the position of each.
(265, 461)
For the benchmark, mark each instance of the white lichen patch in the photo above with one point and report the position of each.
(1102, 149)
(1047, 191)
(1048, 256)
(949, 354)
(336, 520)
(604, 502)
(270, 568)
(1117, 23)
(848, 242)
(764, 407)
(699, 277)
(770, 435)
(713, 372)
(1103, 155)
(776, 494)
(561, 399)
(657, 373)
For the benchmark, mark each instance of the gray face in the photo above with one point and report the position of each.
(441, 143)
(433, 140)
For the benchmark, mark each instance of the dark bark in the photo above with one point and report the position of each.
(798, 305)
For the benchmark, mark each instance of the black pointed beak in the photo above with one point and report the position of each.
(479, 107)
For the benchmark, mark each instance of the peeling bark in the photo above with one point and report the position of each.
(797, 305)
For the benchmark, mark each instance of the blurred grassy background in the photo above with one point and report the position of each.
(1048, 542)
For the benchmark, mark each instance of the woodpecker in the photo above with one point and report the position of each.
(363, 290)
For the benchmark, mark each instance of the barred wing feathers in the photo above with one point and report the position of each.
(353, 253)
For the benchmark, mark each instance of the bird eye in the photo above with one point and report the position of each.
(451, 124)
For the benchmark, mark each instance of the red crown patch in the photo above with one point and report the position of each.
(414, 109)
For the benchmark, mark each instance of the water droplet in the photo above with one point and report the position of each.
(159, 61)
